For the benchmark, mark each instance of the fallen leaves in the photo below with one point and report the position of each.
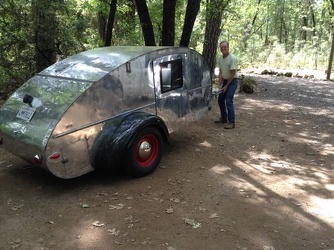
(117, 207)
(176, 208)
(192, 223)
(169, 210)
(113, 231)
(97, 224)
(15, 208)
(175, 200)
(213, 216)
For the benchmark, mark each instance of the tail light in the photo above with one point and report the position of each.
(54, 156)
(57, 157)
(38, 159)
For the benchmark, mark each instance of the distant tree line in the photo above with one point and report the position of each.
(282, 34)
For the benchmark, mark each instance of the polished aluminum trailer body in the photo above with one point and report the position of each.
(84, 111)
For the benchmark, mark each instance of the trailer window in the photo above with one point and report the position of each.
(171, 76)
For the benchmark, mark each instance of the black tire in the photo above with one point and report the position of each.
(144, 153)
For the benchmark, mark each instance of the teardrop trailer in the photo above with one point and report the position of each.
(111, 107)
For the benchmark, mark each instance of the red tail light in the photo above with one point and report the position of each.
(38, 159)
(54, 156)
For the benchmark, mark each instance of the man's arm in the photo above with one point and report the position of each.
(230, 79)
(220, 77)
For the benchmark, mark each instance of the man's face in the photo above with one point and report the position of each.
(224, 49)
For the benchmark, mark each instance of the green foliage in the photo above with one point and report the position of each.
(127, 29)
(76, 32)
(276, 55)
(273, 33)
(16, 53)
(69, 22)
(4, 77)
(247, 85)
(279, 34)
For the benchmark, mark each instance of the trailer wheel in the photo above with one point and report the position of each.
(144, 153)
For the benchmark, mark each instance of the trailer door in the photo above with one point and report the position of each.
(170, 91)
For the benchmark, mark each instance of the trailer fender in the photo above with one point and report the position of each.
(112, 146)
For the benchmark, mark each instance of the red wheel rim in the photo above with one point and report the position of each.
(147, 150)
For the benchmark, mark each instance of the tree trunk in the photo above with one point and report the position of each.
(145, 22)
(102, 25)
(111, 20)
(215, 9)
(168, 23)
(248, 30)
(305, 19)
(330, 61)
(189, 20)
(282, 20)
(45, 29)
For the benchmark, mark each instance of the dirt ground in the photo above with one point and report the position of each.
(267, 184)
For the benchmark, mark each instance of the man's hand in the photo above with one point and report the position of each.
(224, 89)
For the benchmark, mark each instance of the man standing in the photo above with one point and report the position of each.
(228, 81)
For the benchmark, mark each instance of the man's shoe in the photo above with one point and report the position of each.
(222, 120)
(230, 125)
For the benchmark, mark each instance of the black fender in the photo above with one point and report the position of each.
(111, 143)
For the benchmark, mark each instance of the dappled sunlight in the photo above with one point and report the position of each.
(262, 239)
(220, 169)
(297, 175)
(326, 149)
(89, 233)
(322, 208)
(238, 182)
(279, 162)
(316, 180)
(330, 187)
(268, 163)
(314, 142)
(307, 137)
(322, 176)
(261, 169)
(293, 186)
(318, 112)
(282, 105)
(263, 157)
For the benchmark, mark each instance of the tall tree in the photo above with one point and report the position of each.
(145, 22)
(330, 61)
(305, 21)
(168, 23)
(102, 24)
(111, 20)
(193, 7)
(214, 12)
(45, 30)
(282, 26)
(250, 26)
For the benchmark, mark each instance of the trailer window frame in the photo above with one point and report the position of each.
(171, 75)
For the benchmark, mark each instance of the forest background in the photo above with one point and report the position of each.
(282, 34)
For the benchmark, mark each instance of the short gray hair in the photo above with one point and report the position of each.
(228, 45)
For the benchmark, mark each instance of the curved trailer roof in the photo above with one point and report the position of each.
(92, 65)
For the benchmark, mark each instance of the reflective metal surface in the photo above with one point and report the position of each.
(73, 102)
(145, 150)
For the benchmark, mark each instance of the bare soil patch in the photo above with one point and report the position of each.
(267, 184)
